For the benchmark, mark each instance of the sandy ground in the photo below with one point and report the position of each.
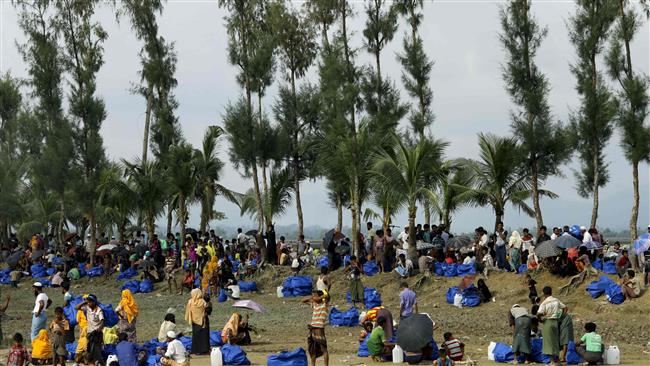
(284, 326)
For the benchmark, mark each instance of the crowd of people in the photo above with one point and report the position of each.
(212, 266)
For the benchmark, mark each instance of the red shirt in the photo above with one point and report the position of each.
(18, 356)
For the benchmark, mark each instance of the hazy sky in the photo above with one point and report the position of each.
(461, 37)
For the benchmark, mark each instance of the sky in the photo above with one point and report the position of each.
(461, 37)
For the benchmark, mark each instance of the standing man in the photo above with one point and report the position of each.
(370, 239)
(586, 237)
(500, 240)
(271, 254)
(94, 329)
(549, 313)
(316, 342)
(542, 236)
(42, 302)
(408, 303)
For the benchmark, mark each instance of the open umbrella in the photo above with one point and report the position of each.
(642, 243)
(190, 231)
(106, 247)
(415, 332)
(37, 254)
(458, 242)
(146, 264)
(547, 249)
(343, 249)
(331, 235)
(592, 245)
(250, 305)
(567, 241)
(251, 233)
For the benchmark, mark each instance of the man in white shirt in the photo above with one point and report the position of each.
(39, 319)
(586, 237)
(241, 237)
(175, 353)
(556, 233)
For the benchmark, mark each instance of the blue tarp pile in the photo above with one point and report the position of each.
(38, 271)
(234, 355)
(322, 261)
(95, 272)
(370, 268)
(503, 353)
(349, 318)
(4, 276)
(297, 357)
(133, 285)
(127, 274)
(247, 286)
(296, 286)
(470, 296)
(607, 286)
(371, 297)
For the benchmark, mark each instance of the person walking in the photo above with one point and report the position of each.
(549, 312)
(42, 302)
(316, 341)
(355, 269)
(408, 303)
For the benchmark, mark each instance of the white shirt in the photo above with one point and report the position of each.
(499, 241)
(176, 351)
(586, 237)
(95, 318)
(403, 237)
(235, 291)
(553, 236)
(241, 238)
(41, 297)
(469, 260)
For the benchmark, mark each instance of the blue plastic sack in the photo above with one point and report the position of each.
(572, 357)
(523, 268)
(575, 231)
(215, 338)
(503, 353)
(127, 274)
(371, 297)
(465, 269)
(346, 260)
(247, 286)
(50, 271)
(598, 287)
(234, 355)
(71, 350)
(95, 272)
(70, 311)
(153, 360)
(322, 262)
(297, 286)
(536, 354)
(610, 267)
(197, 282)
(109, 349)
(82, 272)
(38, 271)
(370, 268)
(451, 270)
(438, 269)
(598, 264)
(58, 261)
(349, 318)
(297, 357)
(146, 286)
(133, 285)
(187, 343)
(614, 294)
(363, 348)
(110, 317)
(451, 292)
(471, 297)
(223, 296)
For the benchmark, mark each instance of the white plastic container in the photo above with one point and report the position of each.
(398, 354)
(458, 300)
(491, 350)
(612, 355)
(111, 358)
(279, 291)
(216, 358)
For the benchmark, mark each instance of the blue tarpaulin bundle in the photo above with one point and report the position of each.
(297, 286)
(215, 338)
(572, 357)
(471, 297)
(95, 272)
(607, 286)
(247, 286)
(371, 297)
(522, 269)
(127, 274)
(297, 357)
(234, 355)
(503, 353)
(322, 262)
(370, 268)
(133, 285)
(70, 311)
(38, 271)
(450, 270)
(145, 286)
(348, 318)
(609, 267)
(466, 269)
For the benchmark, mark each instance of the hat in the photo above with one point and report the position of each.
(171, 334)
(38, 284)
(583, 228)
(92, 298)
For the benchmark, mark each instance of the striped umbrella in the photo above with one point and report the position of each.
(547, 249)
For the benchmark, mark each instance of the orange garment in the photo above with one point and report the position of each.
(41, 346)
(371, 314)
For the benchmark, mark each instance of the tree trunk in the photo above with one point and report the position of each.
(265, 182)
(535, 193)
(427, 213)
(204, 215)
(378, 85)
(498, 218)
(182, 211)
(147, 122)
(635, 212)
(594, 210)
(447, 221)
(61, 244)
(93, 238)
(121, 230)
(412, 252)
(151, 228)
(355, 229)
(339, 212)
(296, 187)
(258, 199)
(170, 218)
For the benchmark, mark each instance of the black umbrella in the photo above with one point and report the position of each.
(547, 249)
(190, 231)
(567, 241)
(146, 264)
(13, 259)
(415, 332)
(37, 254)
(458, 242)
(251, 233)
(343, 249)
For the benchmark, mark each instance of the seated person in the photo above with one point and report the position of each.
(175, 355)
(404, 266)
(128, 353)
(365, 330)
(42, 352)
(425, 263)
(623, 264)
(188, 281)
(532, 263)
(470, 258)
(630, 285)
(590, 347)
(443, 359)
(378, 345)
(168, 324)
(233, 290)
(236, 330)
(455, 348)
(484, 291)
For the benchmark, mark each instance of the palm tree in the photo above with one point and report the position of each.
(277, 199)
(453, 191)
(207, 170)
(387, 201)
(114, 209)
(497, 178)
(12, 186)
(338, 197)
(405, 172)
(145, 187)
(181, 180)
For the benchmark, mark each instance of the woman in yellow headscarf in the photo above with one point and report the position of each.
(196, 314)
(42, 352)
(127, 311)
(236, 330)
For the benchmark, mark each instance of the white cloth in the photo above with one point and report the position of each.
(165, 327)
(483, 241)
(403, 237)
(553, 236)
(176, 351)
(469, 260)
(499, 241)
(235, 291)
(586, 238)
(41, 297)
(95, 318)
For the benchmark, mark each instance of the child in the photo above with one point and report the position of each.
(18, 355)
(188, 281)
(355, 269)
(444, 359)
(590, 347)
(170, 272)
(59, 328)
(532, 290)
(455, 348)
(365, 330)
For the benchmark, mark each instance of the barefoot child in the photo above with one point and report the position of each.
(443, 359)
(58, 329)
(18, 355)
